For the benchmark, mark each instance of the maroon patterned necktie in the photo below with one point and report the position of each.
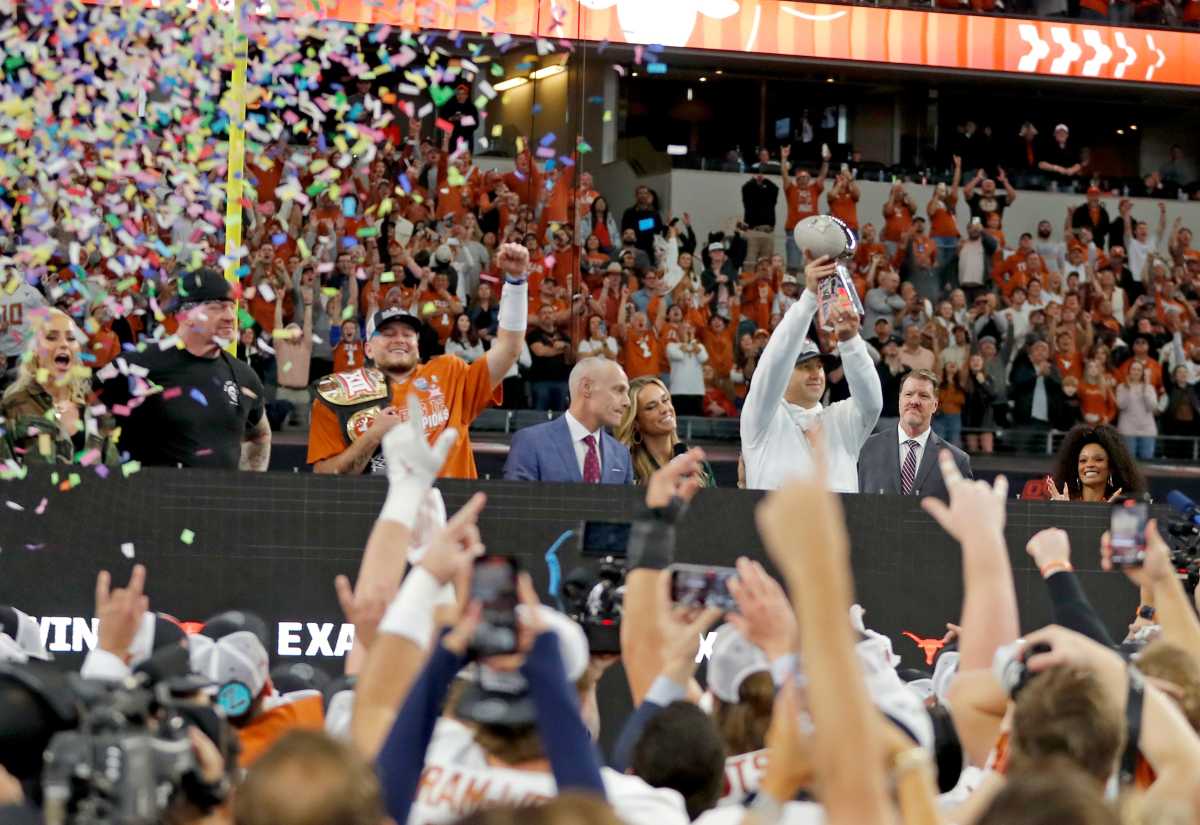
(591, 461)
(908, 473)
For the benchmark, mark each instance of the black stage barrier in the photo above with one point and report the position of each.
(273, 543)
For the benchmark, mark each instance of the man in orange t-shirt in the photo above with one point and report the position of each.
(349, 354)
(438, 308)
(641, 350)
(354, 410)
(843, 200)
(803, 195)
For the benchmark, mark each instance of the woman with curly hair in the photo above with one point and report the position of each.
(1094, 464)
(648, 429)
(44, 415)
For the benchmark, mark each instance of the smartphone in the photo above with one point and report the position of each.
(605, 538)
(494, 585)
(701, 585)
(1127, 533)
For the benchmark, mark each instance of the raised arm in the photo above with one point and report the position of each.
(779, 356)
(513, 261)
(651, 551)
(784, 153)
(866, 391)
(802, 526)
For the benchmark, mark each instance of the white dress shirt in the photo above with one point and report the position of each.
(578, 433)
(921, 440)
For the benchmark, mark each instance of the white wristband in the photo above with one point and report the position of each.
(403, 503)
(411, 612)
(514, 307)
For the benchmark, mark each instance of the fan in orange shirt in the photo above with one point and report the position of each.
(437, 307)
(1097, 403)
(349, 354)
(641, 349)
(355, 409)
(843, 199)
(525, 180)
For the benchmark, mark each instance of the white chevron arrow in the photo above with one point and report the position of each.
(1038, 48)
(1162, 57)
(1070, 50)
(1102, 52)
(1130, 56)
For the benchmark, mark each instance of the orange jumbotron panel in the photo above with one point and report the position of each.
(986, 43)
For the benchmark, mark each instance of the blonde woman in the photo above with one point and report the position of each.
(648, 429)
(45, 414)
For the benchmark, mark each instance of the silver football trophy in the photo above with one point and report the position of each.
(826, 235)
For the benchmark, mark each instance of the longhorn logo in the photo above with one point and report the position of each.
(929, 647)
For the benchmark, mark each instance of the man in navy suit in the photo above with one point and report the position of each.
(902, 459)
(576, 447)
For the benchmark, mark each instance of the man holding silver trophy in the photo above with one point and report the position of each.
(784, 402)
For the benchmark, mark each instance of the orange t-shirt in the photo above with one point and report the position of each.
(923, 250)
(442, 319)
(452, 393)
(1069, 365)
(756, 308)
(719, 348)
(844, 207)
(558, 200)
(641, 354)
(898, 221)
(862, 255)
(801, 203)
(347, 356)
(304, 712)
(1097, 399)
(941, 219)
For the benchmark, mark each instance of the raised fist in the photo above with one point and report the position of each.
(513, 261)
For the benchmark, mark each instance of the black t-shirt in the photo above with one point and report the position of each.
(981, 205)
(207, 408)
(548, 367)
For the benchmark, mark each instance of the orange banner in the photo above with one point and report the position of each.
(986, 43)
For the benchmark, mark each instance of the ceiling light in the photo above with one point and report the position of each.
(829, 80)
(1133, 126)
(689, 93)
(633, 74)
(548, 71)
(719, 71)
(1120, 131)
(511, 83)
(704, 80)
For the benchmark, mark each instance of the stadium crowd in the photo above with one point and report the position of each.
(1102, 305)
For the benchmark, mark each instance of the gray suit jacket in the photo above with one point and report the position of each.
(879, 465)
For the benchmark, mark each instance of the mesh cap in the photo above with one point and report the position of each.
(734, 659)
(237, 663)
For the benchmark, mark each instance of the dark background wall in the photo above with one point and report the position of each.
(274, 542)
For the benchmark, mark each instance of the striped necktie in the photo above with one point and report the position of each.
(908, 473)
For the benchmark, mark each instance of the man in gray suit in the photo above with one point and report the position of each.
(902, 459)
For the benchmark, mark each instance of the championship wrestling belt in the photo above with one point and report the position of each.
(354, 397)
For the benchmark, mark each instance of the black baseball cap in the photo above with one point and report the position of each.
(199, 286)
(387, 316)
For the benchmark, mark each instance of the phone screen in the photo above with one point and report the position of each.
(1127, 533)
(494, 585)
(698, 585)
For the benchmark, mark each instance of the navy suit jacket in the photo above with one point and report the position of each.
(544, 452)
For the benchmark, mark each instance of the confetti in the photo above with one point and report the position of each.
(127, 549)
(187, 536)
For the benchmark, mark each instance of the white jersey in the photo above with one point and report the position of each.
(447, 792)
(15, 309)
(774, 446)
(743, 774)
